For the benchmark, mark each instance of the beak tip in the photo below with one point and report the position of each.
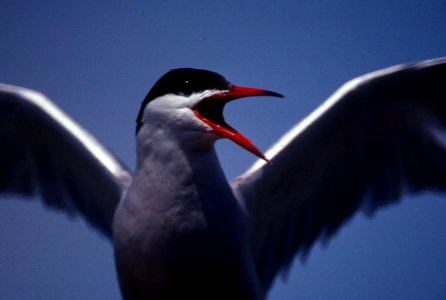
(274, 94)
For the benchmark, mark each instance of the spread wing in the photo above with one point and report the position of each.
(44, 152)
(379, 136)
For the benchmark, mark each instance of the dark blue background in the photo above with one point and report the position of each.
(97, 60)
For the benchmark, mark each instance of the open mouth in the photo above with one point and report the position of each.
(210, 111)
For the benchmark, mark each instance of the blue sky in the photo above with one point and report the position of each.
(98, 60)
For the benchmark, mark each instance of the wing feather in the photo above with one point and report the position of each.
(44, 152)
(379, 136)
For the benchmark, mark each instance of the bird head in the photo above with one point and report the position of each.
(194, 99)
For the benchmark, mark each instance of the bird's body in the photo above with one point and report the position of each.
(180, 229)
(167, 209)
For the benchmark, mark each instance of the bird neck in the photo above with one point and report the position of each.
(180, 168)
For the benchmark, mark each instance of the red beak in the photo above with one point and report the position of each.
(210, 111)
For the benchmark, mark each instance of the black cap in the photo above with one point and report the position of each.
(184, 81)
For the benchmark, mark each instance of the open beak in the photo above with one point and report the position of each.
(210, 111)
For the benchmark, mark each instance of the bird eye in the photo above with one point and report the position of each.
(186, 88)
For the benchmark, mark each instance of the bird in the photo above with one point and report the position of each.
(179, 228)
